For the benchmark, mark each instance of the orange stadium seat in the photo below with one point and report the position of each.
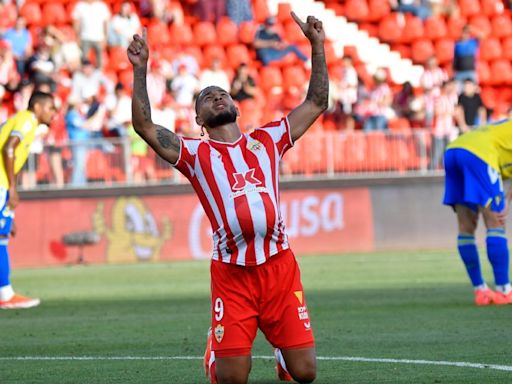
(455, 25)
(501, 26)
(283, 12)
(378, 9)
(294, 76)
(483, 72)
(372, 29)
(444, 50)
(492, 7)
(435, 28)
(260, 10)
(158, 34)
(489, 96)
(270, 77)
(481, 23)
(181, 34)
(197, 53)
(237, 54)
(507, 48)
(490, 49)
(211, 52)
(247, 31)
(469, 7)
(404, 50)
(32, 13)
(413, 29)
(422, 50)
(204, 33)
(54, 14)
(118, 60)
(501, 70)
(357, 10)
(97, 167)
(292, 33)
(227, 31)
(390, 30)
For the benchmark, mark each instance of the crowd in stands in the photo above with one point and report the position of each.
(76, 50)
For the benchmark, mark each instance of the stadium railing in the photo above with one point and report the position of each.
(109, 162)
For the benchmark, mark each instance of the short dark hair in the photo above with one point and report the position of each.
(38, 97)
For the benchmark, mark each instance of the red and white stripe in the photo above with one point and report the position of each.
(238, 187)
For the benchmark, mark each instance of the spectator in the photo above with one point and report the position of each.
(165, 113)
(239, 11)
(270, 46)
(186, 59)
(210, 10)
(243, 86)
(8, 73)
(90, 19)
(418, 8)
(379, 103)
(55, 141)
(214, 76)
(64, 50)
(123, 26)
(433, 76)
(40, 67)
(347, 92)
(184, 86)
(156, 83)
(21, 43)
(403, 100)
(143, 168)
(120, 111)
(88, 80)
(444, 126)
(471, 110)
(79, 128)
(168, 11)
(8, 14)
(465, 55)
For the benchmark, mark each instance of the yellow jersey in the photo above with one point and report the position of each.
(23, 125)
(492, 143)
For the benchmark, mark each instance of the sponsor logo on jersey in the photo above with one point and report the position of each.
(246, 182)
(254, 145)
(219, 333)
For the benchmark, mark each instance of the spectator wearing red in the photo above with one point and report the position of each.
(379, 103)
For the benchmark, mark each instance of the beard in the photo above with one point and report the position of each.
(227, 116)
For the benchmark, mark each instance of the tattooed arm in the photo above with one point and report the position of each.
(164, 142)
(302, 117)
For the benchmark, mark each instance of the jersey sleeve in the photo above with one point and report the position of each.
(187, 158)
(280, 133)
(21, 128)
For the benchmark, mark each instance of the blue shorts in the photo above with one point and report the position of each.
(6, 213)
(472, 182)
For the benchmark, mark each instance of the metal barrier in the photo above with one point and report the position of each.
(116, 161)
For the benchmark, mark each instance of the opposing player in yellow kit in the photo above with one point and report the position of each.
(476, 164)
(16, 136)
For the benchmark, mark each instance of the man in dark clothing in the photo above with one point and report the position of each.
(471, 110)
(270, 46)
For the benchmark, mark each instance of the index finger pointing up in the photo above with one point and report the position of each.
(296, 18)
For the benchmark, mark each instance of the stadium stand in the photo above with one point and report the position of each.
(374, 33)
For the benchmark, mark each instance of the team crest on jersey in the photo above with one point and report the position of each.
(219, 333)
(254, 145)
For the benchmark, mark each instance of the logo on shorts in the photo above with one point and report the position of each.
(219, 333)
(301, 309)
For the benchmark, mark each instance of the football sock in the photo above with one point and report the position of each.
(505, 289)
(280, 359)
(497, 252)
(6, 291)
(469, 255)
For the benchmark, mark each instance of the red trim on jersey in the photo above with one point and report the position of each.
(204, 151)
(242, 210)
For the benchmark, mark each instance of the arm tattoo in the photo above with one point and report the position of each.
(318, 91)
(167, 139)
(141, 110)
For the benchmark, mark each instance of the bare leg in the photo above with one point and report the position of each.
(233, 370)
(301, 364)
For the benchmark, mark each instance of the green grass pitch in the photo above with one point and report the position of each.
(390, 305)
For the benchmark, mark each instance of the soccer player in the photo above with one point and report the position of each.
(255, 279)
(16, 136)
(476, 164)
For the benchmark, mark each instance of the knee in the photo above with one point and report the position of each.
(306, 373)
(231, 378)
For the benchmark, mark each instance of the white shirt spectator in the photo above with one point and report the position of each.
(88, 82)
(184, 87)
(91, 16)
(123, 26)
(214, 77)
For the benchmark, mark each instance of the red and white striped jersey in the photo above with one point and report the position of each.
(237, 184)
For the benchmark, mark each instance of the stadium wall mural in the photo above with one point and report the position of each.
(152, 228)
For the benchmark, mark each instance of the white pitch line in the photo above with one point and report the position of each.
(461, 364)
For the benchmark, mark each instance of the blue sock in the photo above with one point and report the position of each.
(497, 252)
(469, 255)
(5, 269)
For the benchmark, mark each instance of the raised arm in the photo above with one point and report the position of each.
(164, 142)
(302, 117)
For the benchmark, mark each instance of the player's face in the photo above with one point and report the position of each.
(215, 108)
(45, 111)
